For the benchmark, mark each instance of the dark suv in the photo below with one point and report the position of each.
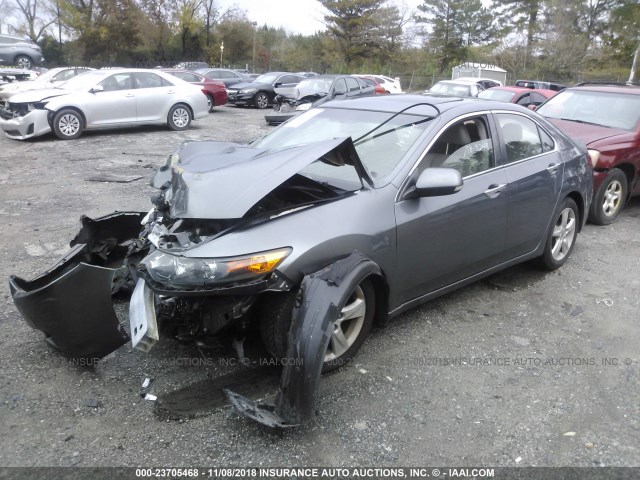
(607, 119)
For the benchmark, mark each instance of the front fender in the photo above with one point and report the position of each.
(317, 307)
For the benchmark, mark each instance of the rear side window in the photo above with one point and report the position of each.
(149, 80)
(521, 137)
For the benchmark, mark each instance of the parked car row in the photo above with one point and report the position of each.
(104, 99)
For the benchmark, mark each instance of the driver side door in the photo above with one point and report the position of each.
(445, 239)
(116, 104)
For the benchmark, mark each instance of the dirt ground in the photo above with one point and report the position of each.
(525, 368)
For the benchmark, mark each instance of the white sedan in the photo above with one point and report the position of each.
(104, 99)
(49, 79)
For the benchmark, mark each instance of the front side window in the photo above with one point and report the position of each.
(465, 146)
(521, 137)
(352, 84)
(119, 81)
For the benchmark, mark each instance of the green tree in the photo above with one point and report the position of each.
(351, 22)
(455, 25)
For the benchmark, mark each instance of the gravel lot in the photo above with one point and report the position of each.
(543, 354)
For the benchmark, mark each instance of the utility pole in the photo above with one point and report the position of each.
(634, 66)
(253, 61)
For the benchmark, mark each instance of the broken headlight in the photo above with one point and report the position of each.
(172, 269)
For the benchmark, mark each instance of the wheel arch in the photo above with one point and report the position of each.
(580, 202)
(184, 104)
(629, 171)
(53, 113)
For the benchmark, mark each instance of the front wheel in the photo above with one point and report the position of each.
(262, 100)
(348, 333)
(67, 124)
(561, 237)
(179, 117)
(609, 199)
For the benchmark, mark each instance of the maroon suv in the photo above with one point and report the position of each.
(607, 119)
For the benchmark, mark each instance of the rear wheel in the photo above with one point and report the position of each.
(349, 330)
(179, 117)
(210, 103)
(609, 199)
(561, 237)
(68, 124)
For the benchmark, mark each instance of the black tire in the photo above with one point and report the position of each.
(276, 310)
(67, 124)
(261, 100)
(23, 61)
(561, 237)
(609, 199)
(211, 103)
(179, 117)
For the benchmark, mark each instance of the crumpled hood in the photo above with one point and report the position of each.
(221, 180)
(38, 95)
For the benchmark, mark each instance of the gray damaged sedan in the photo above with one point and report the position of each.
(104, 99)
(345, 216)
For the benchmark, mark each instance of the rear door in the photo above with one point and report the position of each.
(445, 239)
(534, 170)
(154, 97)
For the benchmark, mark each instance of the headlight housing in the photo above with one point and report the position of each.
(247, 90)
(303, 107)
(172, 269)
(594, 155)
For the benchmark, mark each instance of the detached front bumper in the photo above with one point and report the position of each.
(72, 302)
(33, 124)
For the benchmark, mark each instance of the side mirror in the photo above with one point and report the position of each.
(435, 182)
(277, 84)
(96, 89)
(532, 107)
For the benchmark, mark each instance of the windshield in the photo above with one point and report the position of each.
(608, 109)
(380, 147)
(499, 95)
(48, 75)
(455, 89)
(86, 80)
(267, 78)
(314, 85)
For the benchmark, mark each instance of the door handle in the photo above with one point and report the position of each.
(171, 91)
(494, 190)
(129, 95)
(553, 167)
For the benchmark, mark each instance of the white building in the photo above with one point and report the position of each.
(479, 70)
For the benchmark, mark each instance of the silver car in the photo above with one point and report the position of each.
(104, 99)
(20, 52)
(49, 79)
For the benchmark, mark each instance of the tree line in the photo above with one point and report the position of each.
(562, 40)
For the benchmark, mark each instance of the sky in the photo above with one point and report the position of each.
(295, 16)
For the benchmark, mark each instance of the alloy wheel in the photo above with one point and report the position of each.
(180, 117)
(563, 234)
(69, 125)
(612, 198)
(348, 325)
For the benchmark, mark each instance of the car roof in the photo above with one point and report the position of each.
(596, 87)
(461, 81)
(396, 103)
(510, 88)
